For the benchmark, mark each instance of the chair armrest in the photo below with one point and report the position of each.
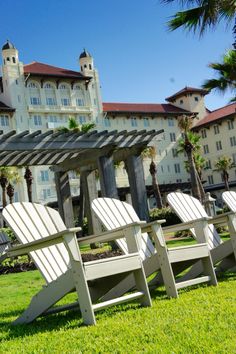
(221, 219)
(108, 235)
(183, 226)
(38, 244)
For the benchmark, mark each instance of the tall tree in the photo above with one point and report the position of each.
(190, 143)
(226, 75)
(223, 165)
(202, 14)
(8, 175)
(150, 152)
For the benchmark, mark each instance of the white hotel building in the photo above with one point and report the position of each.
(39, 96)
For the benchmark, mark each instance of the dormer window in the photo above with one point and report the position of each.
(196, 99)
(181, 101)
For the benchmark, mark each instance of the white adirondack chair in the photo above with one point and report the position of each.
(56, 253)
(113, 213)
(229, 197)
(4, 245)
(189, 209)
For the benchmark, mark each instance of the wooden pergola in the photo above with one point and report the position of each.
(66, 151)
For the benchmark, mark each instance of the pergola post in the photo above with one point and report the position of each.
(134, 166)
(64, 198)
(107, 177)
(94, 226)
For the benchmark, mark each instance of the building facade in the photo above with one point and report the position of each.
(39, 96)
(45, 97)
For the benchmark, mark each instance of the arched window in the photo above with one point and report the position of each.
(65, 94)
(50, 94)
(34, 93)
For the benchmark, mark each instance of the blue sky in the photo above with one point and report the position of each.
(138, 59)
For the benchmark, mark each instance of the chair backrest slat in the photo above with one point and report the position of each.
(32, 222)
(4, 242)
(189, 208)
(229, 197)
(113, 213)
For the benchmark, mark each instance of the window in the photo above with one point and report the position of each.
(177, 167)
(134, 122)
(77, 87)
(14, 60)
(146, 122)
(230, 124)
(46, 193)
(32, 85)
(107, 122)
(210, 179)
(203, 133)
(35, 101)
(82, 119)
(233, 141)
(79, 102)
(218, 145)
(174, 153)
(44, 176)
(37, 120)
(4, 120)
(48, 86)
(65, 101)
(196, 99)
(234, 158)
(16, 82)
(62, 87)
(181, 101)
(171, 122)
(206, 149)
(216, 129)
(179, 180)
(52, 119)
(162, 169)
(51, 101)
(94, 101)
(172, 137)
(208, 164)
(18, 98)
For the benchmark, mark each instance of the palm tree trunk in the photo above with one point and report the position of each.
(3, 182)
(155, 185)
(193, 175)
(201, 189)
(226, 180)
(10, 192)
(29, 180)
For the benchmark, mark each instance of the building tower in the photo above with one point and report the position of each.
(87, 69)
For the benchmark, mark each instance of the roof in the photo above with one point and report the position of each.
(5, 108)
(85, 54)
(8, 45)
(141, 108)
(217, 115)
(42, 69)
(184, 91)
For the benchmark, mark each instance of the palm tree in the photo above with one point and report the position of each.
(8, 175)
(202, 14)
(74, 126)
(223, 165)
(29, 180)
(226, 72)
(190, 143)
(150, 152)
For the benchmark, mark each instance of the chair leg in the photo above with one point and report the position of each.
(47, 297)
(141, 284)
(209, 269)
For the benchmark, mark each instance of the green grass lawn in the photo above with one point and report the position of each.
(201, 320)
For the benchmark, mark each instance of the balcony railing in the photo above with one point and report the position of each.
(59, 109)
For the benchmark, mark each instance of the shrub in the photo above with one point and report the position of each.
(165, 213)
(9, 233)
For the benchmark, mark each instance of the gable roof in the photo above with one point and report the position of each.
(218, 114)
(41, 69)
(5, 108)
(184, 91)
(113, 107)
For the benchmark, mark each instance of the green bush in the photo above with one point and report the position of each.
(9, 233)
(165, 213)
